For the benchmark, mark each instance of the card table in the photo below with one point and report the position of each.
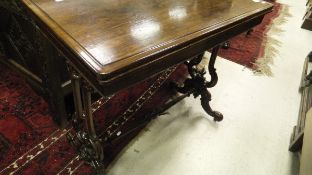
(110, 45)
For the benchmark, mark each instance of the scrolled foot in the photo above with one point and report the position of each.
(88, 148)
(217, 116)
(205, 99)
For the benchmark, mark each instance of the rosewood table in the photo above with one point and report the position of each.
(111, 45)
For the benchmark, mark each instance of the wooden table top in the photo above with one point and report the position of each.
(113, 37)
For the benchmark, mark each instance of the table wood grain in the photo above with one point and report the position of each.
(122, 41)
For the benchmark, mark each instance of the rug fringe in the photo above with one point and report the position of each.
(263, 65)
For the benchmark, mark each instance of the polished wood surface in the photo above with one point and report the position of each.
(112, 41)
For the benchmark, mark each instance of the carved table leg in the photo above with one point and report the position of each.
(87, 142)
(197, 84)
(78, 115)
(84, 139)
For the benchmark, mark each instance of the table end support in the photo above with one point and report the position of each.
(197, 83)
(83, 137)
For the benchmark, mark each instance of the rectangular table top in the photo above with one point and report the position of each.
(113, 37)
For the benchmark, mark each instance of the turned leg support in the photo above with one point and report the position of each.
(84, 137)
(197, 84)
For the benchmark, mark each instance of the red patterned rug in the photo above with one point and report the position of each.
(256, 50)
(30, 143)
